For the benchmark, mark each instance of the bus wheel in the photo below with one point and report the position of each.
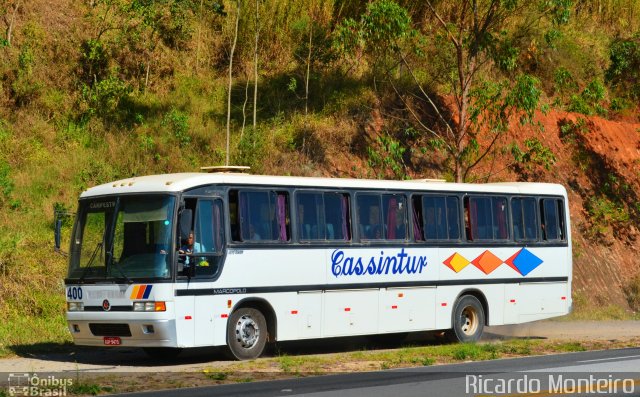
(246, 334)
(468, 320)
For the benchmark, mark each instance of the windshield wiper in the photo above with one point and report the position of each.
(117, 266)
(93, 256)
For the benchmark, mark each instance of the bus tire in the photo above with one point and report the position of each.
(467, 320)
(246, 334)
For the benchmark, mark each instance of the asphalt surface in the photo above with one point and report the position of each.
(608, 372)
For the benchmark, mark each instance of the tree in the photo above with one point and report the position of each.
(475, 41)
(233, 49)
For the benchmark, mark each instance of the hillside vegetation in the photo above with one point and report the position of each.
(93, 91)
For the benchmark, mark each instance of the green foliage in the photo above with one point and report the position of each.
(624, 69)
(589, 101)
(383, 30)
(104, 96)
(25, 88)
(387, 157)
(217, 375)
(177, 123)
(94, 61)
(604, 213)
(92, 389)
(251, 149)
(536, 154)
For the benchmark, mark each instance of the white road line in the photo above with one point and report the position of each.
(607, 359)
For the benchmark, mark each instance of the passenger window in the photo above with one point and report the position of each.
(486, 218)
(395, 217)
(310, 216)
(369, 216)
(382, 217)
(525, 219)
(552, 219)
(441, 218)
(261, 216)
(337, 217)
(322, 216)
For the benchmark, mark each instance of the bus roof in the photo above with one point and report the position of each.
(185, 181)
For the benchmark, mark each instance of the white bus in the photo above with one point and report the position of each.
(173, 261)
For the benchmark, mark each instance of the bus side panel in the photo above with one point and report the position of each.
(542, 300)
(204, 312)
(512, 303)
(184, 320)
(351, 312)
(310, 314)
(407, 309)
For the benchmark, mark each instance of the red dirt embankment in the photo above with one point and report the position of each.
(593, 157)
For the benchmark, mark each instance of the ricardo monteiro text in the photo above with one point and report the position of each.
(557, 383)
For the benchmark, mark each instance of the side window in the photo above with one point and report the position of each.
(322, 216)
(203, 247)
(259, 216)
(486, 218)
(525, 219)
(369, 216)
(337, 217)
(552, 215)
(441, 218)
(208, 228)
(394, 215)
(310, 216)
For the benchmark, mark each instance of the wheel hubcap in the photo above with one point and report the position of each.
(247, 332)
(469, 321)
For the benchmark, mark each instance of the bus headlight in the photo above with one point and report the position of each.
(149, 307)
(75, 306)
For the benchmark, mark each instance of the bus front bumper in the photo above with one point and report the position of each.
(136, 333)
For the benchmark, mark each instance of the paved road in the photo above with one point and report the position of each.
(610, 372)
(134, 360)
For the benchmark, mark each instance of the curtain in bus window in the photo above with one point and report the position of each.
(282, 217)
(530, 219)
(417, 226)
(500, 218)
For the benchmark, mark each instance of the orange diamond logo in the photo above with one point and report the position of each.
(456, 262)
(487, 262)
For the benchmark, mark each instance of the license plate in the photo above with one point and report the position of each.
(112, 341)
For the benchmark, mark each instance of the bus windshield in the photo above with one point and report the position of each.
(123, 238)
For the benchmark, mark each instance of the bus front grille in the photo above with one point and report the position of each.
(100, 329)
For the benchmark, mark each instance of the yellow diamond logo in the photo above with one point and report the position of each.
(456, 262)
